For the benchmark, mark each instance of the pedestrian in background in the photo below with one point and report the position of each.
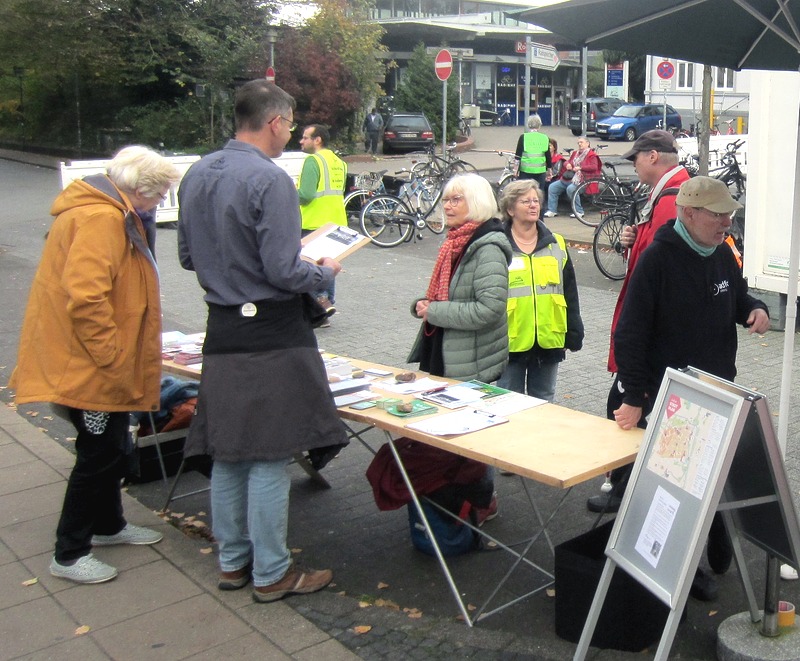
(264, 393)
(533, 152)
(373, 125)
(583, 164)
(91, 345)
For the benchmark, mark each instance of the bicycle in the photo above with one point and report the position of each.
(610, 256)
(603, 195)
(442, 167)
(464, 127)
(365, 186)
(389, 221)
(509, 172)
(504, 118)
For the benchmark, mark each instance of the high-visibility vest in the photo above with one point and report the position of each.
(328, 203)
(537, 313)
(534, 147)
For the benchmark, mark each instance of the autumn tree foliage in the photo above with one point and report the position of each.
(332, 66)
(325, 91)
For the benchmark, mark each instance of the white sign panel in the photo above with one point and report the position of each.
(543, 57)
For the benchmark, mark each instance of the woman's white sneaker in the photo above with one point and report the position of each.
(128, 535)
(87, 569)
(550, 214)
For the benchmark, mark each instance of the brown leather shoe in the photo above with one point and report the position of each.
(326, 304)
(297, 580)
(234, 580)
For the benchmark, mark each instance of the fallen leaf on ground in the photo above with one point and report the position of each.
(364, 604)
(33, 414)
(712, 613)
(30, 581)
(199, 524)
(382, 585)
(471, 607)
(177, 515)
(82, 630)
(206, 550)
(362, 629)
(550, 592)
(296, 550)
(386, 603)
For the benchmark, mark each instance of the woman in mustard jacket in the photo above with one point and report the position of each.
(91, 344)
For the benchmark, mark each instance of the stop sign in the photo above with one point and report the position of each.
(444, 64)
(270, 75)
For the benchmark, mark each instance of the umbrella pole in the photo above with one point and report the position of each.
(791, 309)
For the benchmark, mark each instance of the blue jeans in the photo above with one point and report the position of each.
(250, 515)
(554, 192)
(541, 377)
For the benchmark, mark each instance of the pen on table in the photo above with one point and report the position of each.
(484, 414)
(434, 390)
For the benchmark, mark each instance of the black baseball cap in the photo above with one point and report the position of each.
(656, 139)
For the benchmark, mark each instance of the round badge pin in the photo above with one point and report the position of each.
(249, 310)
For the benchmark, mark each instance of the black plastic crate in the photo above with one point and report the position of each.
(632, 618)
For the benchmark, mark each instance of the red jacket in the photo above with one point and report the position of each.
(663, 211)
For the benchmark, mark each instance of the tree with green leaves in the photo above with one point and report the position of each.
(421, 91)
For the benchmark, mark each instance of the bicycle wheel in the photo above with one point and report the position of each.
(504, 181)
(604, 197)
(609, 254)
(387, 221)
(354, 203)
(458, 166)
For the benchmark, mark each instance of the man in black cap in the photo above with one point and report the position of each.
(684, 302)
(655, 158)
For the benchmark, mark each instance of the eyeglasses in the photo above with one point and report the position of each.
(455, 199)
(719, 215)
(292, 125)
(533, 202)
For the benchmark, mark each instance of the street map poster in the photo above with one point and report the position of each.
(686, 444)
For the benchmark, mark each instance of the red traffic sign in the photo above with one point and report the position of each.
(665, 70)
(270, 75)
(444, 64)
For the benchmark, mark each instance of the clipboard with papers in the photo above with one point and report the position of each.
(334, 241)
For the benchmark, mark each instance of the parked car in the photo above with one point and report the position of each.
(409, 131)
(596, 108)
(631, 120)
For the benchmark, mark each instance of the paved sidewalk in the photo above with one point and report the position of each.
(163, 605)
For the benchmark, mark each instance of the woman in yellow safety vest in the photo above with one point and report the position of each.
(533, 152)
(544, 315)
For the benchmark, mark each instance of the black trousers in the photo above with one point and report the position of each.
(93, 501)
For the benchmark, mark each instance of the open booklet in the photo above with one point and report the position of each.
(333, 241)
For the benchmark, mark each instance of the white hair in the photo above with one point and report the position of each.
(478, 194)
(137, 168)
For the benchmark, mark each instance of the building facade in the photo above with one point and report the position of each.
(683, 91)
(489, 50)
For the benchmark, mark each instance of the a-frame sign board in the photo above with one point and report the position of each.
(709, 445)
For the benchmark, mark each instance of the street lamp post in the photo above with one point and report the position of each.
(272, 37)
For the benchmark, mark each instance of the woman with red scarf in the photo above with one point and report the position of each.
(464, 333)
